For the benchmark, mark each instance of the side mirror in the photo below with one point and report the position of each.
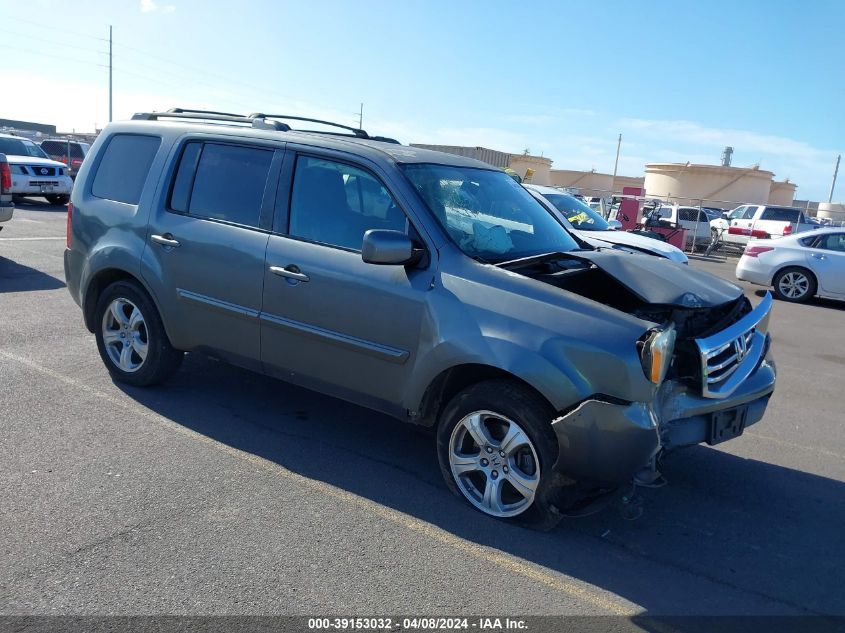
(615, 224)
(389, 248)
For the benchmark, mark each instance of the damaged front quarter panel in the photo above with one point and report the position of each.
(605, 441)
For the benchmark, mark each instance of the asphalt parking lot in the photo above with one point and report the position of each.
(227, 492)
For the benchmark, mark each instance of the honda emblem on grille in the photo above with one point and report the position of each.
(740, 348)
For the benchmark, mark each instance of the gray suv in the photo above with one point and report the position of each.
(427, 286)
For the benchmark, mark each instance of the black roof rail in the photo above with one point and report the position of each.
(209, 115)
(355, 131)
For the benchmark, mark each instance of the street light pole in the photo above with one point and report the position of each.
(835, 173)
(615, 164)
(110, 72)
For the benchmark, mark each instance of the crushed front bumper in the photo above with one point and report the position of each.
(606, 442)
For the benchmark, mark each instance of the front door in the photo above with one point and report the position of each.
(827, 260)
(331, 321)
(204, 258)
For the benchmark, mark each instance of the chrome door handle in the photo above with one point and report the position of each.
(291, 272)
(165, 240)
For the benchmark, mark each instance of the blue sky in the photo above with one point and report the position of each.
(679, 80)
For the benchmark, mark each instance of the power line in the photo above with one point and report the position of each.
(53, 42)
(61, 57)
(56, 29)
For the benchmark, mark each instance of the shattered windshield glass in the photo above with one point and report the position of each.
(487, 213)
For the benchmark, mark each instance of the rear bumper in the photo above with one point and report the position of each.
(750, 269)
(606, 443)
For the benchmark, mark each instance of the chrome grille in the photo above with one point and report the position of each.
(38, 170)
(730, 356)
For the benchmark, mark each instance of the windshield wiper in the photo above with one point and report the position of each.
(533, 259)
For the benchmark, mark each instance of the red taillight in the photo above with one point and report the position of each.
(75, 162)
(5, 177)
(67, 227)
(754, 251)
(787, 230)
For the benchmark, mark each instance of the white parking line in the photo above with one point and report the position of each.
(580, 591)
(28, 239)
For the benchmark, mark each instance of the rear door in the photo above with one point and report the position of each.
(329, 320)
(204, 257)
(826, 259)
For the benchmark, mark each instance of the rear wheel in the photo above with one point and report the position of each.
(60, 200)
(794, 284)
(496, 449)
(131, 337)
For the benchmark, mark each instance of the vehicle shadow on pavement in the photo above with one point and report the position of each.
(16, 277)
(728, 535)
(832, 304)
(38, 204)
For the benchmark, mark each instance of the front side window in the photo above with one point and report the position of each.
(487, 213)
(124, 167)
(749, 213)
(580, 216)
(335, 204)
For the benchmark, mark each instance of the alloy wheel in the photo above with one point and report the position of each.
(794, 285)
(494, 463)
(125, 335)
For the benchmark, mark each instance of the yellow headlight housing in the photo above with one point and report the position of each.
(656, 353)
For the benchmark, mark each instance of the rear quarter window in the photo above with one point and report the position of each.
(780, 214)
(124, 167)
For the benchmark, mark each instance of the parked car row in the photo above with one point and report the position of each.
(33, 173)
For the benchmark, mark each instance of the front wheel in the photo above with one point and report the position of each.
(794, 284)
(131, 337)
(496, 449)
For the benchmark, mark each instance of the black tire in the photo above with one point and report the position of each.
(797, 273)
(59, 200)
(161, 359)
(533, 415)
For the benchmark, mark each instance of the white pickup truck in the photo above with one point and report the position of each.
(761, 221)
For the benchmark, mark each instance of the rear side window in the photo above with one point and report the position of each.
(221, 182)
(51, 147)
(781, 214)
(124, 167)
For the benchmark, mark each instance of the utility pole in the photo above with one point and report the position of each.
(616, 164)
(110, 82)
(361, 118)
(835, 173)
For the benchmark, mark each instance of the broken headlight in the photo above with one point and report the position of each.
(656, 350)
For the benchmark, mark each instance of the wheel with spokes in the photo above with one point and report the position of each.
(496, 449)
(131, 338)
(794, 284)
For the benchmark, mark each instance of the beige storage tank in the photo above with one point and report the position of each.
(589, 183)
(782, 193)
(835, 211)
(539, 165)
(688, 183)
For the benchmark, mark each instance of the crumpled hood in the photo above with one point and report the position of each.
(608, 238)
(660, 281)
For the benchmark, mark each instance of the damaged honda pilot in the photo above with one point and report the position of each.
(427, 286)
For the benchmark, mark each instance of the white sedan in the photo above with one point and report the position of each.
(589, 226)
(799, 266)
